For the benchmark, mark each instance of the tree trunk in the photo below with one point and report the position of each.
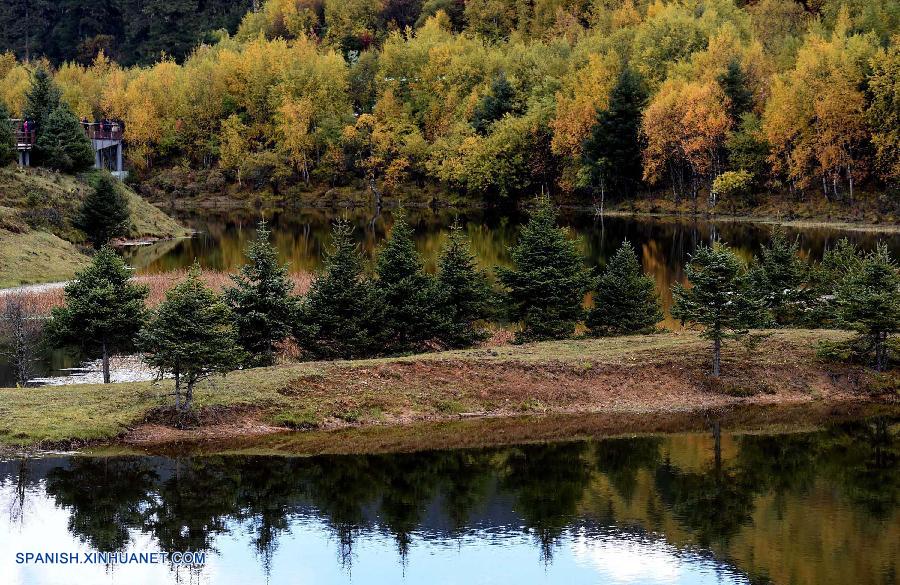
(105, 364)
(602, 196)
(188, 396)
(177, 373)
(717, 356)
(375, 192)
(850, 179)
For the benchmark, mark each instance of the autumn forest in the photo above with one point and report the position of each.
(495, 99)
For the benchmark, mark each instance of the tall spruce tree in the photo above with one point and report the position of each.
(61, 142)
(192, 336)
(465, 292)
(261, 300)
(7, 137)
(545, 289)
(720, 299)
(497, 102)
(337, 315)
(103, 311)
(104, 214)
(42, 99)
(626, 300)
(407, 298)
(779, 279)
(737, 89)
(611, 155)
(868, 300)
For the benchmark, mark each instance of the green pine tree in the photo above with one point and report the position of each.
(612, 156)
(824, 280)
(261, 300)
(735, 85)
(61, 142)
(7, 137)
(192, 336)
(103, 311)
(41, 99)
(720, 299)
(779, 280)
(546, 288)
(407, 298)
(747, 147)
(868, 300)
(465, 292)
(626, 300)
(336, 317)
(104, 214)
(497, 102)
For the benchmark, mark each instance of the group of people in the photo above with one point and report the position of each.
(26, 132)
(102, 129)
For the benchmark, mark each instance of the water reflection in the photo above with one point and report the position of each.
(302, 236)
(817, 507)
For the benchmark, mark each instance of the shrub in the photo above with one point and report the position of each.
(732, 186)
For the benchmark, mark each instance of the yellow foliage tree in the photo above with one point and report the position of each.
(296, 141)
(815, 117)
(685, 126)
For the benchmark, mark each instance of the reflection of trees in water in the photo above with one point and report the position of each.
(864, 458)
(195, 502)
(621, 459)
(714, 502)
(17, 503)
(548, 482)
(185, 503)
(105, 497)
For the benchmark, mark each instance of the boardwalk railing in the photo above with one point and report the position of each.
(94, 131)
(25, 139)
(100, 131)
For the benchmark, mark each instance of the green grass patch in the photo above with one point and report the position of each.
(301, 420)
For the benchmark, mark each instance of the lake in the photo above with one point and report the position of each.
(814, 507)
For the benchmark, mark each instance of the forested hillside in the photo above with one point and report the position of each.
(130, 31)
(496, 98)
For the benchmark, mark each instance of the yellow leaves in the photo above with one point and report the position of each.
(15, 81)
(814, 118)
(294, 122)
(626, 15)
(82, 87)
(234, 144)
(684, 123)
(576, 109)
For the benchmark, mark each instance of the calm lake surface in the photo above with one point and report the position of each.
(815, 507)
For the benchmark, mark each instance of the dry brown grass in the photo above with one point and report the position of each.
(41, 301)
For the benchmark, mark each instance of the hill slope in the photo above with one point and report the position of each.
(37, 240)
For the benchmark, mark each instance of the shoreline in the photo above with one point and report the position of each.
(634, 379)
(498, 431)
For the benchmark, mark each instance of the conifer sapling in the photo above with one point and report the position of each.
(626, 300)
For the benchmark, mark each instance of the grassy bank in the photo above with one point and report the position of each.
(37, 240)
(641, 375)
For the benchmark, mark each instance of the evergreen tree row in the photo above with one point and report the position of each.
(400, 308)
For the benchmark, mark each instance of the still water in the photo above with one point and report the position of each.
(814, 507)
(303, 235)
